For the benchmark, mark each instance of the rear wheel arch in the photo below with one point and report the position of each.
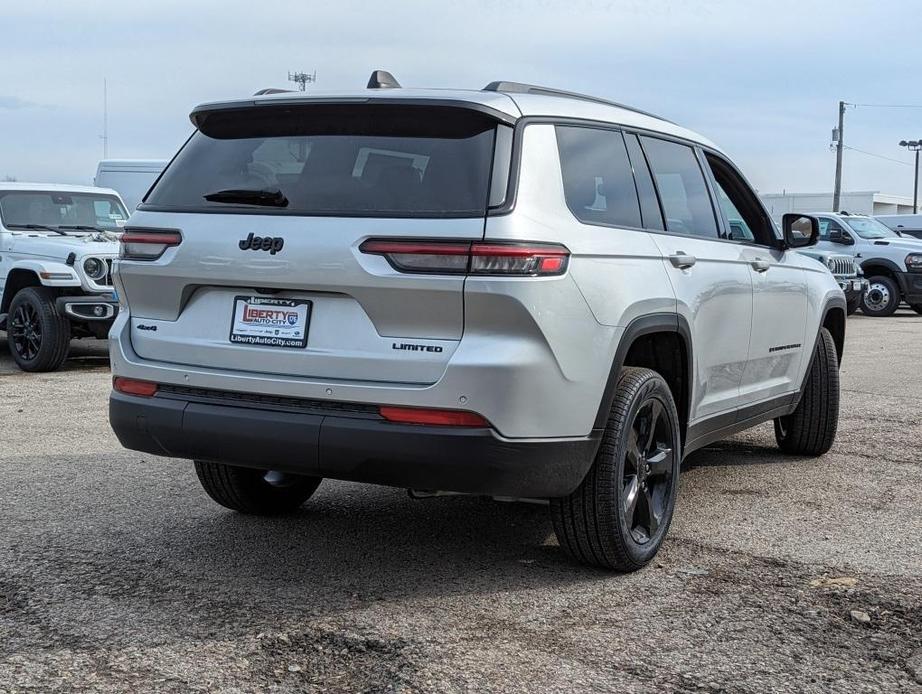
(660, 342)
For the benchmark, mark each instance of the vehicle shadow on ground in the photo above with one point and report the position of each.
(83, 355)
(734, 454)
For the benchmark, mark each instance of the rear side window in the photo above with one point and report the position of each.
(334, 160)
(597, 180)
(682, 189)
(649, 205)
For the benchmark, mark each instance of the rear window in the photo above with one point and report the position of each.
(334, 160)
(57, 209)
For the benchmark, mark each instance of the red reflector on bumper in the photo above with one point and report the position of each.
(130, 386)
(416, 415)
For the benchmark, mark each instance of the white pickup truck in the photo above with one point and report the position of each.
(57, 244)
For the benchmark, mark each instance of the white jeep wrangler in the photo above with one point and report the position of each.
(56, 249)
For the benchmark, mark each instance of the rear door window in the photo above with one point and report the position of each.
(682, 188)
(334, 160)
(597, 180)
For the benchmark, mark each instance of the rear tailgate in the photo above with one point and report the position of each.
(346, 174)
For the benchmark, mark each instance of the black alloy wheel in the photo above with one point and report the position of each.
(648, 469)
(26, 331)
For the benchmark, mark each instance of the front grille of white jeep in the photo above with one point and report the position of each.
(842, 265)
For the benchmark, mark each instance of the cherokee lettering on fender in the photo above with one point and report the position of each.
(273, 244)
(411, 347)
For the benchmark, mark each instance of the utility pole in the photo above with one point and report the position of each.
(840, 147)
(105, 120)
(302, 79)
(914, 146)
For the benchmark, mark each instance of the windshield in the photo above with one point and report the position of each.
(334, 160)
(868, 228)
(55, 209)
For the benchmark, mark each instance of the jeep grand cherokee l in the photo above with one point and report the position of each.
(513, 292)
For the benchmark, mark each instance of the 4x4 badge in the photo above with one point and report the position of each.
(273, 244)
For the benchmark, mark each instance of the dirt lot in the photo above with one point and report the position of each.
(118, 574)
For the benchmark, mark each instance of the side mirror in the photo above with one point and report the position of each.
(836, 236)
(800, 230)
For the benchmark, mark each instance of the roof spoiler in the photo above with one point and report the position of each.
(382, 79)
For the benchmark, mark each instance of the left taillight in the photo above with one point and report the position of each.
(474, 258)
(146, 244)
(131, 386)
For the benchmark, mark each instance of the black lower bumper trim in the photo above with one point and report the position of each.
(471, 460)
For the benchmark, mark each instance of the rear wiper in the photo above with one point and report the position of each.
(44, 227)
(246, 196)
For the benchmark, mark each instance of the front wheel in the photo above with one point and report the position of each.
(882, 297)
(256, 492)
(38, 336)
(617, 518)
(811, 428)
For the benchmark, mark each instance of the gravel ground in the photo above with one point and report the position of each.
(118, 574)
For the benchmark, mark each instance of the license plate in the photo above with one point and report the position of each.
(856, 286)
(260, 320)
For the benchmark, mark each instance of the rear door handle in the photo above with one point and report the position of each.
(682, 260)
(760, 265)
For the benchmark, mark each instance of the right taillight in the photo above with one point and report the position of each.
(146, 244)
(475, 258)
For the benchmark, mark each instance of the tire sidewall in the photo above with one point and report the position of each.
(654, 387)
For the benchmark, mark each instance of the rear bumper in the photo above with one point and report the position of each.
(360, 447)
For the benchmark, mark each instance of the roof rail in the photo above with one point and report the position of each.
(382, 79)
(520, 88)
(272, 90)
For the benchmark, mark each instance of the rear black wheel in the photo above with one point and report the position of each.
(621, 512)
(38, 336)
(882, 297)
(257, 492)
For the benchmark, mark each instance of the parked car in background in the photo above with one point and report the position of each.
(903, 224)
(513, 291)
(56, 249)
(892, 263)
(847, 272)
(132, 178)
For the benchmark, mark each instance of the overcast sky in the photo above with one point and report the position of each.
(760, 78)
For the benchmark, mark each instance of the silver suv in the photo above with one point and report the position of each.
(512, 292)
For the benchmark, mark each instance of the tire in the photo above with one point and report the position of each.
(38, 336)
(811, 428)
(882, 297)
(595, 524)
(916, 307)
(255, 492)
(853, 306)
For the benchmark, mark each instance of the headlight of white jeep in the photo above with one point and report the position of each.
(914, 261)
(95, 269)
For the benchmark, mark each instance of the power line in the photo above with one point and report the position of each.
(879, 156)
(888, 105)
